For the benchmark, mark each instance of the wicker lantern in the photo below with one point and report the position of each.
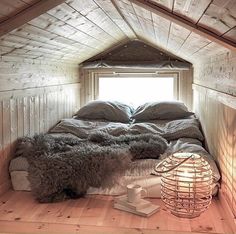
(186, 184)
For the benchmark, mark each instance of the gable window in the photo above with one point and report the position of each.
(136, 89)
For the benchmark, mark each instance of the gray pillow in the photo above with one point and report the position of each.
(161, 110)
(105, 110)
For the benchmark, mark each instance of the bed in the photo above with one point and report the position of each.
(161, 127)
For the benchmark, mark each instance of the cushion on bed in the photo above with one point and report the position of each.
(161, 110)
(19, 164)
(107, 110)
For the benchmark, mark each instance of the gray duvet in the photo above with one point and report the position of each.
(170, 130)
(182, 134)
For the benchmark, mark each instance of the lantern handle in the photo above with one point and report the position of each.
(175, 166)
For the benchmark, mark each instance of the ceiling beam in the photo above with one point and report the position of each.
(123, 17)
(28, 14)
(146, 4)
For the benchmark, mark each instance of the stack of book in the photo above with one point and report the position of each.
(142, 207)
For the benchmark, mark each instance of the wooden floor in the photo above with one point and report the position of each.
(20, 213)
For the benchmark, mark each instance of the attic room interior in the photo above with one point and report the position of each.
(118, 116)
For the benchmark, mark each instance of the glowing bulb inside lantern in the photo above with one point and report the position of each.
(186, 174)
(184, 182)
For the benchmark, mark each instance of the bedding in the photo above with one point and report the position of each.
(105, 110)
(182, 134)
(161, 110)
(170, 130)
(84, 128)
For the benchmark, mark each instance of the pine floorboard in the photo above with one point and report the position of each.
(20, 213)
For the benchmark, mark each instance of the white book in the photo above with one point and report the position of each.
(123, 200)
(145, 212)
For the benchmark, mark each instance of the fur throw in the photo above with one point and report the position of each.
(62, 167)
(140, 146)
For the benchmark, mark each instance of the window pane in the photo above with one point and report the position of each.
(136, 91)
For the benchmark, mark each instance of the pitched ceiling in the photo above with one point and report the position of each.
(79, 29)
(9, 8)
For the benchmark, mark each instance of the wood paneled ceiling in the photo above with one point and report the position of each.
(9, 8)
(76, 30)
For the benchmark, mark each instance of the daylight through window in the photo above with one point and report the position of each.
(136, 90)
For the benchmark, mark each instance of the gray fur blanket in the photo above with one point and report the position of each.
(65, 167)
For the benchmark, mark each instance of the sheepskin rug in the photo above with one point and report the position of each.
(65, 167)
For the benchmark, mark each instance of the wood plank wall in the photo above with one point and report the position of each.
(89, 92)
(185, 87)
(34, 95)
(215, 104)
